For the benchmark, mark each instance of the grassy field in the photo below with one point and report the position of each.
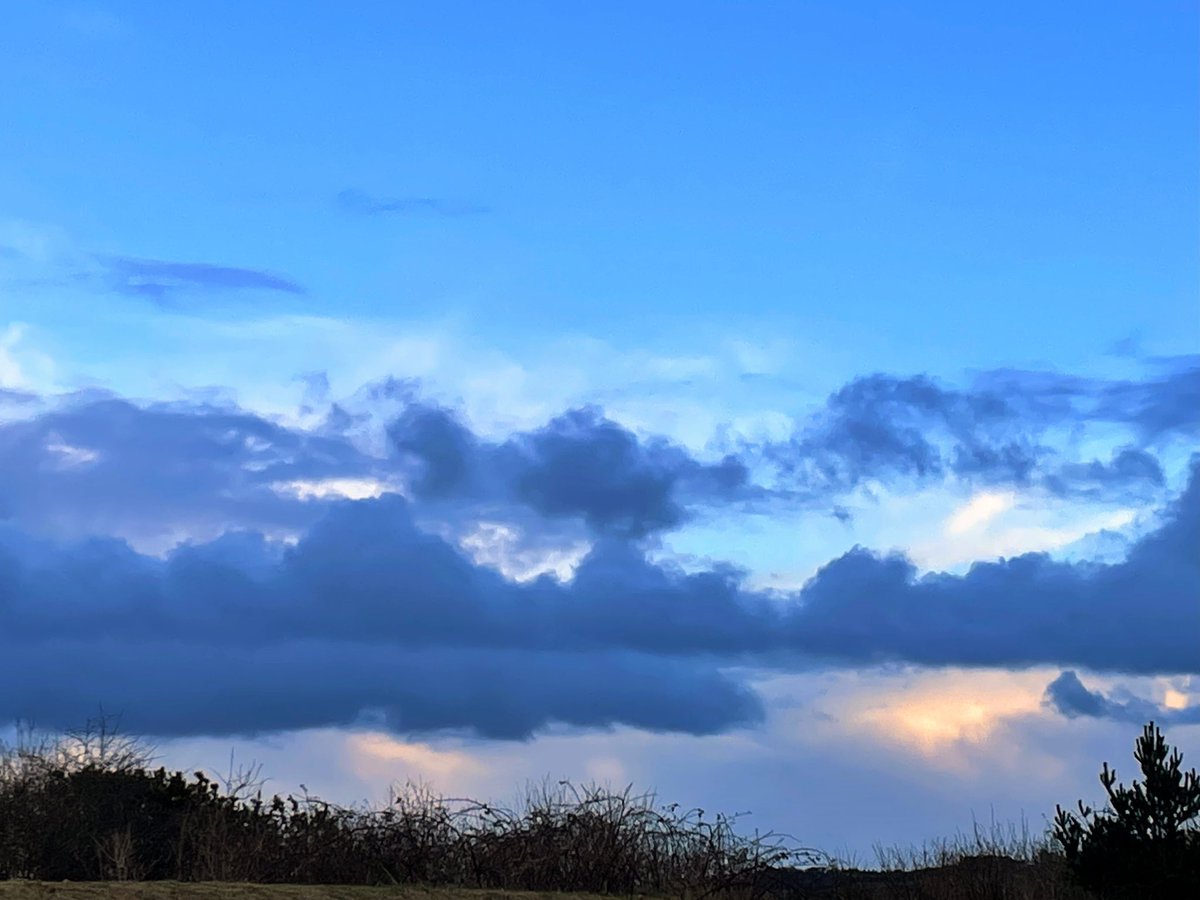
(179, 890)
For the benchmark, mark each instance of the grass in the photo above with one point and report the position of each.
(182, 890)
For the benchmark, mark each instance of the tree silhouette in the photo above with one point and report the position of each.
(1148, 839)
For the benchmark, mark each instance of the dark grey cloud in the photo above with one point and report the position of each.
(880, 426)
(103, 465)
(98, 464)
(1067, 695)
(1128, 465)
(160, 280)
(178, 689)
(370, 614)
(366, 573)
(580, 464)
(1165, 404)
(449, 453)
(366, 615)
(1139, 615)
(362, 203)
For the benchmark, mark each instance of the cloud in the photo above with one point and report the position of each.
(1067, 695)
(22, 369)
(1139, 615)
(998, 432)
(190, 689)
(578, 465)
(159, 280)
(940, 712)
(17, 397)
(39, 256)
(1157, 407)
(105, 466)
(98, 464)
(355, 201)
(1129, 465)
(988, 526)
(365, 615)
(369, 615)
(368, 609)
(979, 510)
(880, 426)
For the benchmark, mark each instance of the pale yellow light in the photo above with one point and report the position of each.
(374, 754)
(1174, 699)
(952, 708)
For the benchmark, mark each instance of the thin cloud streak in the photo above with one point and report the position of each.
(361, 203)
(160, 280)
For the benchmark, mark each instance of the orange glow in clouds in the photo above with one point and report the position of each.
(936, 710)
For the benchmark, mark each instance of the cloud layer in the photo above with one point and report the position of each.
(366, 613)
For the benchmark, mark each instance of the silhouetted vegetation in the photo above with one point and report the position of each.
(1147, 842)
(88, 806)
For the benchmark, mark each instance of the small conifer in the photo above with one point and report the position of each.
(1146, 843)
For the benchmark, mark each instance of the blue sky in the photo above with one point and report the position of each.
(835, 366)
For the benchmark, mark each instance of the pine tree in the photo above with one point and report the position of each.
(1146, 843)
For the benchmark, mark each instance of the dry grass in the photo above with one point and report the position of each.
(996, 862)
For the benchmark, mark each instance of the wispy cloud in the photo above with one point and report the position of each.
(362, 203)
(160, 280)
(45, 256)
(998, 432)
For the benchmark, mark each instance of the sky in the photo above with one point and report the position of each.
(789, 407)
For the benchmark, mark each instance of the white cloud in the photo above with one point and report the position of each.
(350, 488)
(992, 525)
(500, 546)
(11, 375)
(979, 510)
(70, 457)
(23, 367)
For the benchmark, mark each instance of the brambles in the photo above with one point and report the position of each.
(88, 808)
(1147, 843)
